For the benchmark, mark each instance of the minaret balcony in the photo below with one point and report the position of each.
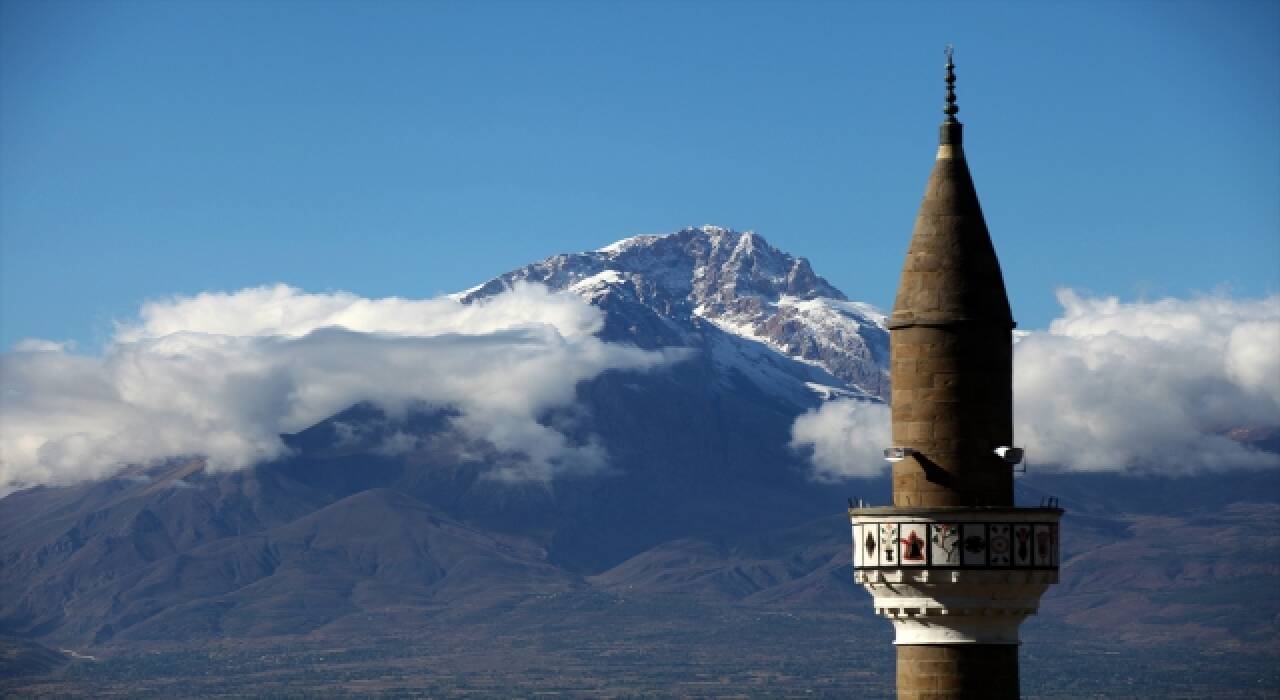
(956, 575)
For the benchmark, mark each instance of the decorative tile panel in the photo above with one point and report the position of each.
(914, 541)
(889, 544)
(973, 544)
(1044, 545)
(870, 545)
(998, 544)
(1022, 545)
(944, 544)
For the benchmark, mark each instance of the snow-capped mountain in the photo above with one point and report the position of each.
(699, 448)
(681, 288)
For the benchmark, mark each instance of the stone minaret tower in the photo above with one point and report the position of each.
(953, 563)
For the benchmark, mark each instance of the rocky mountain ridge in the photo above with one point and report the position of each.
(663, 289)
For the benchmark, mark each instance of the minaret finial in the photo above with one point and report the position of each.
(951, 108)
(952, 131)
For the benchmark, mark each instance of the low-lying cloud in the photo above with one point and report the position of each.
(1113, 386)
(847, 438)
(222, 375)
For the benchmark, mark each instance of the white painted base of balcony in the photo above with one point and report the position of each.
(954, 629)
(956, 607)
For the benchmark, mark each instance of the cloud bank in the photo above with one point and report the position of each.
(1149, 386)
(1113, 386)
(221, 375)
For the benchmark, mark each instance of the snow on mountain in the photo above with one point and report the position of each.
(751, 307)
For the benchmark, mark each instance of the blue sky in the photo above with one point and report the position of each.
(150, 149)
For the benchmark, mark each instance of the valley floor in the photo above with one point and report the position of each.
(595, 645)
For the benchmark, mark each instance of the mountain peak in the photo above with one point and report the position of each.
(663, 289)
(645, 239)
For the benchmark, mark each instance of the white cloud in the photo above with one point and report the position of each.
(41, 345)
(1149, 386)
(847, 438)
(1141, 386)
(222, 375)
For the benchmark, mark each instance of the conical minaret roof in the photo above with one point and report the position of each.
(951, 274)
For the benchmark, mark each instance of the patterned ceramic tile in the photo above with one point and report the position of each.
(1022, 545)
(914, 538)
(1043, 545)
(944, 539)
(973, 544)
(889, 544)
(999, 545)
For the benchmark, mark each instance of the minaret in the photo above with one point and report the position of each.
(953, 564)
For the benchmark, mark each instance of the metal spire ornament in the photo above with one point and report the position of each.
(951, 109)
